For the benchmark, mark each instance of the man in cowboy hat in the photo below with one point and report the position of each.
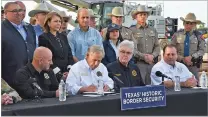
(117, 18)
(39, 13)
(92, 18)
(189, 43)
(66, 20)
(146, 41)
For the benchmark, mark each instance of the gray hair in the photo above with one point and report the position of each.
(95, 49)
(126, 43)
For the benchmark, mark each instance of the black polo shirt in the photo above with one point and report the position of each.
(45, 79)
(129, 75)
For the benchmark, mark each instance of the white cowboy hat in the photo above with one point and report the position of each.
(40, 8)
(140, 9)
(117, 11)
(92, 14)
(190, 17)
(64, 15)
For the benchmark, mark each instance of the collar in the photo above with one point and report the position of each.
(184, 32)
(32, 69)
(78, 27)
(16, 25)
(170, 66)
(140, 26)
(122, 66)
(86, 64)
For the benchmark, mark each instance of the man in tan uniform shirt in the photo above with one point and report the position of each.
(193, 41)
(117, 18)
(147, 43)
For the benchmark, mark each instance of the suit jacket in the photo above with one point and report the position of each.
(16, 52)
(110, 55)
(62, 56)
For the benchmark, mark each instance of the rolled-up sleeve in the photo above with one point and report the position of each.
(73, 81)
(154, 79)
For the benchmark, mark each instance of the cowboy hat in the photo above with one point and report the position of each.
(40, 8)
(92, 14)
(64, 15)
(117, 11)
(140, 9)
(190, 17)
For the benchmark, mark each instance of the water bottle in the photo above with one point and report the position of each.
(203, 80)
(62, 91)
(177, 86)
(100, 87)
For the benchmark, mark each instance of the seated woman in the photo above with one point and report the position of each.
(113, 38)
(57, 43)
(128, 73)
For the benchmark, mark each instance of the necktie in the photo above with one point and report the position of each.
(186, 45)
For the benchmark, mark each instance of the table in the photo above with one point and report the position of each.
(186, 102)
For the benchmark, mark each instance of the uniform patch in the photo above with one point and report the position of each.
(134, 73)
(179, 70)
(46, 76)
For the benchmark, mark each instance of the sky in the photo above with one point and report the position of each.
(173, 9)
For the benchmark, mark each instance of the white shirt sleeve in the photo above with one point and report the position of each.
(155, 80)
(106, 79)
(73, 81)
(185, 74)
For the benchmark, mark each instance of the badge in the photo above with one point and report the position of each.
(118, 74)
(46, 76)
(134, 73)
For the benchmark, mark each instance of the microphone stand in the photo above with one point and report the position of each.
(162, 80)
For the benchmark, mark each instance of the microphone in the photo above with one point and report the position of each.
(115, 77)
(69, 67)
(99, 74)
(33, 81)
(160, 74)
(57, 72)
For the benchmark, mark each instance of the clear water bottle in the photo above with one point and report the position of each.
(203, 80)
(177, 86)
(62, 91)
(100, 87)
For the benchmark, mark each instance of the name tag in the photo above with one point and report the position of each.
(142, 97)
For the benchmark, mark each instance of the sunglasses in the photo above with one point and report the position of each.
(191, 23)
(16, 10)
(66, 20)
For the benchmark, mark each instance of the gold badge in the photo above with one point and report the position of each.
(118, 74)
(46, 76)
(134, 73)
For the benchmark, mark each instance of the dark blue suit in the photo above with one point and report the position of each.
(110, 54)
(16, 52)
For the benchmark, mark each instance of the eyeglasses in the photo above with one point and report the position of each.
(124, 52)
(16, 10)
(191, 23)
(66, 20)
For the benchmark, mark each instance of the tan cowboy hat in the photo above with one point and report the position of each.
(64, 15)
(40, 8)
(140, 9)
(92, 14)
(190, 17)
(117, 11)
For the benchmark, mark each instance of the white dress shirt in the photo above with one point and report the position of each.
(171, 71)
(81, 75)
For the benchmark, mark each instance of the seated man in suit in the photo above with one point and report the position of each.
(127, 72)
(36, 79)
(170, 67)
(83, 76)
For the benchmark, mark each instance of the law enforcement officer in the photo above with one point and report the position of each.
(93, 16)
(189, 43)
(37, 72)
(117, 18)
(127, 72)
(171, 68)
(147, 43)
